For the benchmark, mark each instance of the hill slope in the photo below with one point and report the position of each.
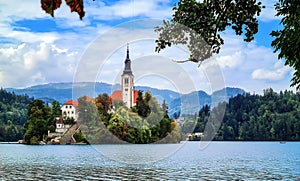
(13, 115)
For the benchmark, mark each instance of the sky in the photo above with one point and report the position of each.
(38, 49)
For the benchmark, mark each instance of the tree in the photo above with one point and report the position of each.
(287, 40)
(38, 122)
(165, 109)
(199, 25)
(79, 137)
(103, 104)
(55, 109)
(195, 22)
(37, 110)
(142, 104)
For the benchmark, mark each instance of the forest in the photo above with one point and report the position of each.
(268, 117)
(271, 116)
(13, 115)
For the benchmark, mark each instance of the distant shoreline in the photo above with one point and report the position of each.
(10, 142)
(281, 142)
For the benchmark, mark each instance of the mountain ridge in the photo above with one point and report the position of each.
(184, 103)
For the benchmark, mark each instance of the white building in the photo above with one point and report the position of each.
(61, 127)
(69, 110)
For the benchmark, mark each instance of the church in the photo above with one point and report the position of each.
(127, 94)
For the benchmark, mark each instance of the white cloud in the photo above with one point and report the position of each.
(231, 60)
(128, 9)
(16, 10)
(278, 72)
(248, 65)
(30, 64)
(25, 36)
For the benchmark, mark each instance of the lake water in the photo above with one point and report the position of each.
(218, 161)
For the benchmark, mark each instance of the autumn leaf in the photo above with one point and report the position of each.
(50, 5)
(77, 6)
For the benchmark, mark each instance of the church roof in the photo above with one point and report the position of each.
(117, 95)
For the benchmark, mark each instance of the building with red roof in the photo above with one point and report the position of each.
(70, 109)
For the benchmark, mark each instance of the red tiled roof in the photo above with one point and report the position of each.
(71, 102)
(116, 95)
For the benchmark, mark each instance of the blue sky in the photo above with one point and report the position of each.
(36, 48)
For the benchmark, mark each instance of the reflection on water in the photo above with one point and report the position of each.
(221, 160)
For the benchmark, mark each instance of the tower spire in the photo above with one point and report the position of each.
(127, 57)
(127, 68)
(127, 82)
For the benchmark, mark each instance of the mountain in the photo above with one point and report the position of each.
(228, 92)
(186, 103)
(191, 103)
(160, 94)
(66, 91)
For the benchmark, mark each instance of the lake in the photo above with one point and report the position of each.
(185, 161)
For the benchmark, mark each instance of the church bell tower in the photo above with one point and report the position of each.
(127, 82)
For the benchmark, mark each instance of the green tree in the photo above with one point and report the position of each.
(287, 40)
(37, 129)
(55, 109)
(37, 126)
(199, 25)
(103, 104)
(142, 104)
(37, 110)
(165, 109)
(79, 137)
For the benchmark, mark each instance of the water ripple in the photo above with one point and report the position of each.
(241, 161)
